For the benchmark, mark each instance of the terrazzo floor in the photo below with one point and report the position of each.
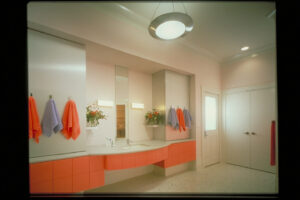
(216, 179)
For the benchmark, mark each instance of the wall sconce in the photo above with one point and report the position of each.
(137, 105)
(104, 103)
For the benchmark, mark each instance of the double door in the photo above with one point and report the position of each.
(248, 118)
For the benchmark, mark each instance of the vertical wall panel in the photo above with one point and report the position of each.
(177, 94)
(140, 87)
(57, 67)
(158, 101)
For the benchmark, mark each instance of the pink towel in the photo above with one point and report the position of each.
(273, 152)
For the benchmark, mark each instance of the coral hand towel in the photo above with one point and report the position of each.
(35, 129)
(51, 120)
(180, 119)
(273, 152)
(70, 120)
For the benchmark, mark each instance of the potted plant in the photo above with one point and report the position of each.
(153, 118)
(93, 115)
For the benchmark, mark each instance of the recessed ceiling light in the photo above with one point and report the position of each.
(253, 55)
(245, 48)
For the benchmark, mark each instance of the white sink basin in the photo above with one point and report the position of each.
(134, 146)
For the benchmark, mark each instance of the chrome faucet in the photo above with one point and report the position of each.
(110, 140)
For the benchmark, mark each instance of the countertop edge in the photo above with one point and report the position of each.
(107, 151)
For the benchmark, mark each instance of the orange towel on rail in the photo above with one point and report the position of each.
(180, 117)
(34, 126)
(70, 121)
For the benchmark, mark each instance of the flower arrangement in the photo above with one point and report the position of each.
(153, 118)
(93, 114)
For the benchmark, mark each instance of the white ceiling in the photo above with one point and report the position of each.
(220, 28)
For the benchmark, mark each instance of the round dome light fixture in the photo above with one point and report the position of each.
(170, 26)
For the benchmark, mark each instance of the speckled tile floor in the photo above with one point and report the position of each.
(220, 178)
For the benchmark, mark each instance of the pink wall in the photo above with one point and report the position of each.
(173, 134)
(250, 71)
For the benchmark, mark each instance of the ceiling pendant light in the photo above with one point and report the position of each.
(171, 25)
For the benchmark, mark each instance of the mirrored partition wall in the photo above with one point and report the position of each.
(122, 102)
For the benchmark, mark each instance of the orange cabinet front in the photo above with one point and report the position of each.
(138, 159)
(63, 176)
(179, 153)
(41, 180)
(96, 176)
(81, 173)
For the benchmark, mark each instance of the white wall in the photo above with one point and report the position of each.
(100, 84)
(177, 95)
(100, 80)
(56, 67)
(250, 71)
(158, 101)
(140, 91)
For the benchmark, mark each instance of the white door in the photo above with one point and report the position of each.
(262, 113)
(210, 136)
(237, 142)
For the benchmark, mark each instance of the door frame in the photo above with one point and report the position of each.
(218, 94)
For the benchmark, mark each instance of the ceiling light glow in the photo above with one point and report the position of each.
(170, 30)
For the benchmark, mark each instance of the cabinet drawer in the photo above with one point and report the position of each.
(40, 171)
(62, 168)
(81, 182)
(113, 162)
(96, 179)
(63, 185)
(41, 187)
(81, 165)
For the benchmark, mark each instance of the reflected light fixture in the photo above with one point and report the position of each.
(171, 25)
(245, 48)
(137, 105)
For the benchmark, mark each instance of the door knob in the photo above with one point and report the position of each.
(253, 133)
(247, 133)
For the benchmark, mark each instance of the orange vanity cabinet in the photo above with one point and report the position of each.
(62, 176)
(179, 153)
(96, 175)
(67, 175)
(77, 174)
(138, 159)
(81, 173)
(41, 177)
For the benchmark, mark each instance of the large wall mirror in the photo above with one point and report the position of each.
(122, 102)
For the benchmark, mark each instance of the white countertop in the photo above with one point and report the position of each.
(103, 150)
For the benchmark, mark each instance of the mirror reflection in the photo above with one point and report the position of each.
(121, 101)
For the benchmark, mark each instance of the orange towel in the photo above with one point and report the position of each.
(35, 129)
(70, 121)
(180, 117)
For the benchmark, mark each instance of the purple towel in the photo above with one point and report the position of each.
(51, 120)
(187, 118)
(172, 118)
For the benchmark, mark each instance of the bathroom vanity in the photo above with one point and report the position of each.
(77, 172)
